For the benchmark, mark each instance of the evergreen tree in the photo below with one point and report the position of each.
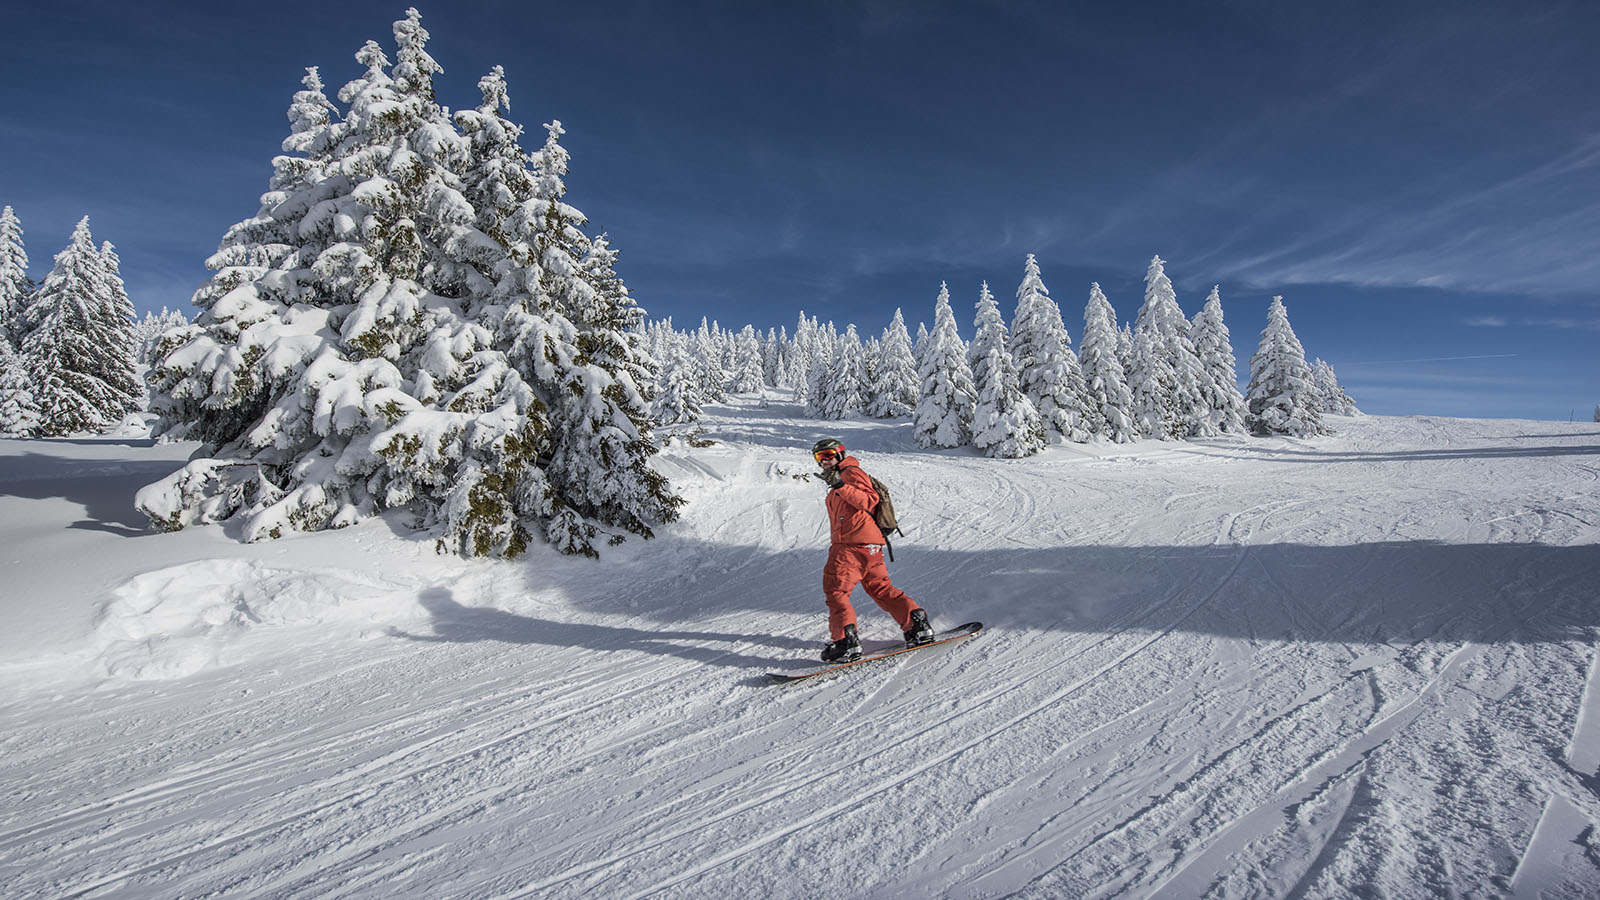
(772, 357)
(396, 327)
(819, 379)
(847, 381)
(497, 183)
(1050, 375)
(944, 413)
(1219, 384)
(15, 285)
(612, 339)
(1110, 403)
(711, 378)
(1332, 394)
(1282, 398)
(895, 388)
(119, 351)
(272, 240)
(18, 417)
(676, 402)
(556, 236)
(746, 377)
(147, 333)
(798, 362)
(79, 357)
(1164, 374)
(1004, 421)
(598, 404)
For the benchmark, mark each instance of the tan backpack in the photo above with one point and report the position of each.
(883, 513)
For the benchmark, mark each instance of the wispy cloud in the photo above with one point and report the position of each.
(1531, 231)
(1561, 322)
(1431, 359)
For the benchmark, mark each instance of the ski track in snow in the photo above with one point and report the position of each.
(1362, 665)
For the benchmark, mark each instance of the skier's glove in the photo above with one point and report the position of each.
(832, 477)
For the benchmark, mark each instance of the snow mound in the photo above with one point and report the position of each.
(177, 621)
(133, 425)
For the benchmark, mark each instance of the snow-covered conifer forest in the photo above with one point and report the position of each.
(1240, 641)
(1015, 389)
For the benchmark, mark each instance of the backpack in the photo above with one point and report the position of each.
(883, 513)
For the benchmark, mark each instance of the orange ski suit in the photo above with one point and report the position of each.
(856, 556)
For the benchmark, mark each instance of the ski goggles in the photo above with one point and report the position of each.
(824, 456)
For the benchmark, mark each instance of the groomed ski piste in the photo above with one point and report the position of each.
(1360, 665)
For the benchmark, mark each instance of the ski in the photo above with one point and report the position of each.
(943, 637)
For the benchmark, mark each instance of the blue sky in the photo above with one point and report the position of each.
(1420, 181)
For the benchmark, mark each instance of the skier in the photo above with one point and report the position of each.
(856, 557)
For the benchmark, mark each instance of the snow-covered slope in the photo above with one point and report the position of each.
(1358, 665)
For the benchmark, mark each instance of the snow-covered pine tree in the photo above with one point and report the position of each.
(272, 239)
(772, 357)
(119, 347)
(1049, 372)
(1335, 401)
(676, 402)
(147, 332)
(871, 350)
(895, 388)
(1282, 398)
(372, 339)
(819, 379)
(1004, 421)
(919, 341)
(613, 338)
(1109, 401)
(296, 363)
(18, 418)
(570, 327)
(711, 378)
(783, 349)
(1125, 346)
(79, 358)
(1164, 374)
(722, 342)
(847, 383)
(944, 412)
(15, 285)
(1220, 383)
(557, 234)
(746, 376)
(797, 364)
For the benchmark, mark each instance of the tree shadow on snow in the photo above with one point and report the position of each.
(104, 488)
(1270, 455)
(776, 427)
(454, 623)
(139, 442)
(1395, 592)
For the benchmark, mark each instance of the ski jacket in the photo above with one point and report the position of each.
(850, 506)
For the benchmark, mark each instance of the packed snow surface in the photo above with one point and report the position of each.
(1357, 665)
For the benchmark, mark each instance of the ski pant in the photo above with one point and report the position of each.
(853, 564)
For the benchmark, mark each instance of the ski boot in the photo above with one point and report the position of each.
(845, 649)
(920, 631)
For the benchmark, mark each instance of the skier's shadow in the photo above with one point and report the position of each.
(457, 624)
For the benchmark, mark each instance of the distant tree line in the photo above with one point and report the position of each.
(1014, 389)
